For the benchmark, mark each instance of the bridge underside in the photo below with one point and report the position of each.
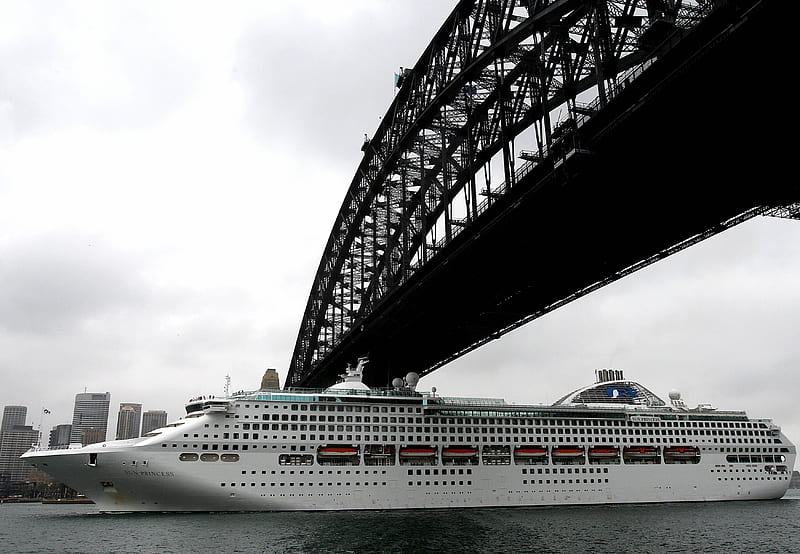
(699, 141)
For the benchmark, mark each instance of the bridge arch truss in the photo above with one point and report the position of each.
(498, 74)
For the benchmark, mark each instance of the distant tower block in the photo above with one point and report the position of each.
(270, 380)
(153, 419)
(129, 420)
(13, 415)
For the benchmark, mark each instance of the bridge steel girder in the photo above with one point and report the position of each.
(564, 72)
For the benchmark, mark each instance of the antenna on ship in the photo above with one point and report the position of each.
(227, 385)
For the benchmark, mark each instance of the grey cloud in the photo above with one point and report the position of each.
(46, 87)
(51, 283)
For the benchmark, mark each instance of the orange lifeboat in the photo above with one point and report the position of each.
(640, 452)
(337, 451)
(530, 452)
(459, 452)
(603, 452)
(417, 451)
(682, 452)
(567, 452)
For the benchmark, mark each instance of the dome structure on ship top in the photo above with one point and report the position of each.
(611, 387)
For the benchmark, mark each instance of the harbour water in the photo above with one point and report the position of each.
(766, 526)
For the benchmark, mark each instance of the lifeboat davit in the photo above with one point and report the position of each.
(337, 451)
(417, 451)
(459, 452)
(530, 452)
(567, 452)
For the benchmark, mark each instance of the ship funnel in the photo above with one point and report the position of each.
(605, 375)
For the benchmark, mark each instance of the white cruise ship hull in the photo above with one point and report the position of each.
(365, 450)
(163, 485)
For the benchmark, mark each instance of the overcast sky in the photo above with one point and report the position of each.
(169, 174)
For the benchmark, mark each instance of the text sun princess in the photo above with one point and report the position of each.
(349, 447)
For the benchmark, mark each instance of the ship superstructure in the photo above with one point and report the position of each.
(352, 447)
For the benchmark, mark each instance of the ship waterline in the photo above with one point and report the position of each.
(349, 448)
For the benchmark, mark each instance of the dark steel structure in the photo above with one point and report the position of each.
(538, 150)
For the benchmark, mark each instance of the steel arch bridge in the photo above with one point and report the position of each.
(511, 104)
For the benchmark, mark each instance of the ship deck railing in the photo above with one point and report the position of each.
(41, 448)
(298, 393)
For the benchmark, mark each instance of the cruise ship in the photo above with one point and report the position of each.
(349, 447)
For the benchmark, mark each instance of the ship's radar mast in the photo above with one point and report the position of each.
(675, 400)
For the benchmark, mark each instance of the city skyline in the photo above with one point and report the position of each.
(45, 423)
(229, 121)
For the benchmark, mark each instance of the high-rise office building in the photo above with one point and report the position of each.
(15, 439)
(90, 417)
(13, 415)
(14, 442)
(59, 435)
(128, 420)
(93, 436)
(153, 419)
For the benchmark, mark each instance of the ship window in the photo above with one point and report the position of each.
(188, 457)
(209, 457)
(229, 457)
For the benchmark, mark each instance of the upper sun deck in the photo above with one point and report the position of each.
(433, 405)
(610, 396)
